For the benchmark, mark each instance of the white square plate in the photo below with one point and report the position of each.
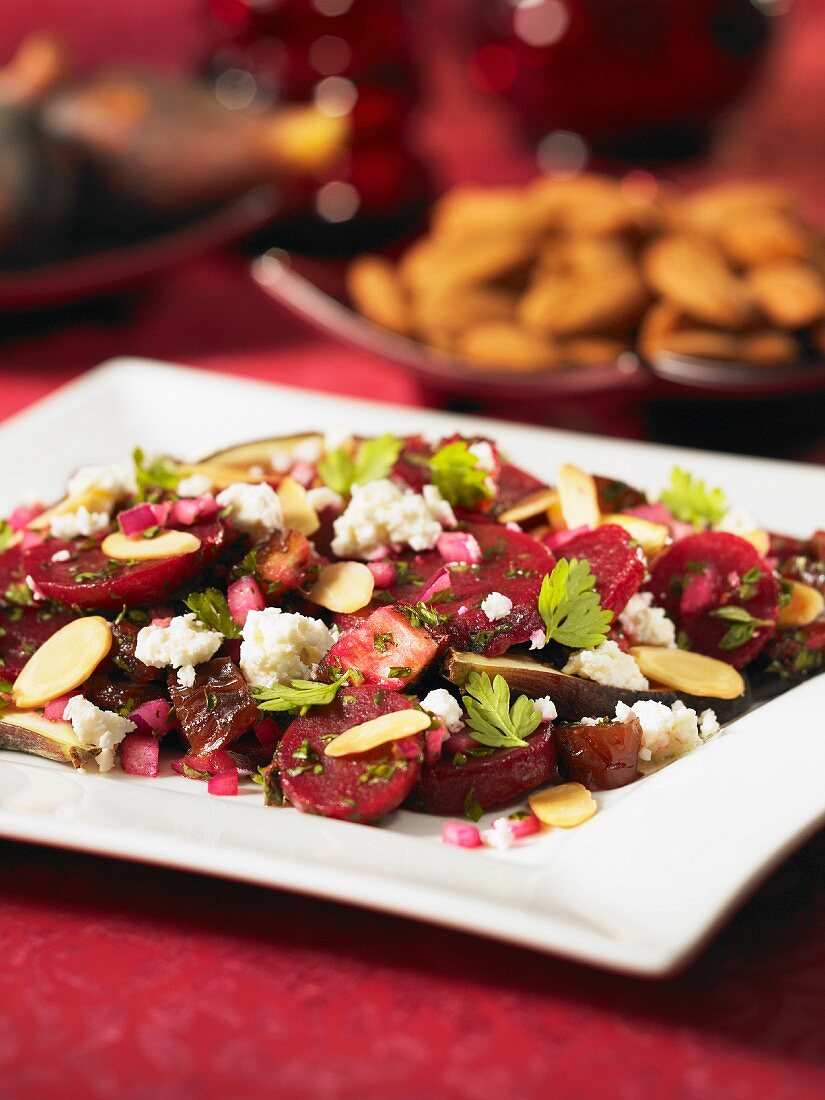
(638, 888)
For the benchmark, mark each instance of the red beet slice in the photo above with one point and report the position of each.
(411, 468)
(385, 648)
(217, 709)
(799, 652)
(513, 485)
(90, 579)
(11, 571)
(704, 573)
(601, 757)
(355, 788)
(614, 562)
(504, 776)
(25, 629)
(283, 562)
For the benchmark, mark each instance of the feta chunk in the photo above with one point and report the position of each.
(324, 497)
(255, 509)
(737, 521)
(71, 525)
(61, 555)
(281, 461)
(182, 644)
(308, 450)
(484, 455)
(382, 514)
(96, 728)
(194, 486)
(278, 646)
(105, 484)
(645, 624)
(538, 639)
(496, 606)
(439, 508)
(499, 836)
(668, 732)
(445, 707)
(546, 708)
(607, 664)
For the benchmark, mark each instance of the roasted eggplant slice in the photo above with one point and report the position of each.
(260, 451)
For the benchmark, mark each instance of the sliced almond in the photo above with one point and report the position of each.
(63, 662)
(650, 536)
(299, 515)
(88, 499)
(378, 731)
(346, 586)
(806, 604)
(534, 504)
(567, 805)
(578, 497)
(759, 540)
(168, 544)
(691, 672)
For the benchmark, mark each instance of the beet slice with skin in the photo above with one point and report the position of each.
(385, 648)
(107, 585)
(11, 572)
(503, 776)
(614, 562)
(705, 573)
(217, 709)
(353, 788)
(600, 757)
(25, 629)
(283, 562)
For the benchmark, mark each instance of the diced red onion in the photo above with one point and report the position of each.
(460, 834)
(224, 783)
(139, 754)
(433, 743)
(136, 520)
(439, 582)
(409, 748)
(653, 513)
(303, 473)
(194, 510)
(211, 763)
(243, 596)
(153, 716)
(53, 710)
(23, 515)
(384, 573)
(519, 827)
(459, 546)
(559, 538)
(31, 539)
(162, 622)
(267, 731)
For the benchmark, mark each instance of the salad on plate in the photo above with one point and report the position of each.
(357, 624)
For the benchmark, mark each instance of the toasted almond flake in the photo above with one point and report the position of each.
(759, 540)
(89, 499)
(531, 505)
(346, 586)
(378, 731)
(567, 805)
(650, 536)
(693, 673)
(578, 497)
(299, 515)
(168, 544)
(63, 662)
(806, 604)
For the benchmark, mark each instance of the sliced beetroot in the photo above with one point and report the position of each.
(11, 573)
(713, 571)
(412, 467)
(600, 757)
(25, 629)
(283, 562)
(90, 579)
(799, 653)
(492, 780)
(513, 484)
(217, 709)
(353, 788)
(385, 648)
(614, 562)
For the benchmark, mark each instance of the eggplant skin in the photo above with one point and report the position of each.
(575, 697)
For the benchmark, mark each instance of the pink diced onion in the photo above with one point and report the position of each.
(384, 573)
(243, 596)
(162, 622)
(558, 538)
(153, 716)
(409, 748)
(519, 827)
(53, 710)
(433, 743)
(460, 834)
(459, 546)
(224, 783)
(193, 509)
(303, 473)
(23, 515)
(439, 582)
(139, 754)
(653, 513)
(31, 539)
(267, 731)
(210, 763)
(136, 520)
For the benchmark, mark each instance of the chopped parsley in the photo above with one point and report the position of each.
(457, 475)
(20, 594)
(373, 460)
(399, 671)
(491, 720)
(420, 613)
(743, 625)
(6, 534)
(298, 695)
(158, 474)
(747, 586)
(570, 608)
(472, 807)
(212, 609)
(381, 642)
(690, 500)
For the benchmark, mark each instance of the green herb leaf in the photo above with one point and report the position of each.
(420, 613)
(472, 807)
(161, 473)
(298, 695)
(20, 594)
(399, 671)
(457, 475)
(337, 470)
(491, 720)
(6, 535)
(373, 460)
(570, 608)
(213, 611)
(267, 779)
(747, 586)
(689, 499)
(744, 625)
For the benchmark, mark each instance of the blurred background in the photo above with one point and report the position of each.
(630, 241)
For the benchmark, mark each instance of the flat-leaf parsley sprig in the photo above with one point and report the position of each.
(298, 696)
(570, 607)
(211, 608)
(458, 476)
(373, 460)
(491, 720)
(690, 500)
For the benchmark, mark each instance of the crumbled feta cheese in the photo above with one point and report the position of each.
(31, 584)
(308, 450)
(61, 555)
(106, 484)
(184, 643)
(499, 836)
(496, 606)
(439, 508)
(445, 707)
(281, 461)
(607, 664)
(484, 455)
(645, 624)
(538, 639)
(667, 732)
(71, 525)
(546, 708)
(382, 514)
(590, 721)
(324, 497)
(708, 724)
(645, 755)
(278, 646)
(737, 521)
(194, 486)
(101, 729)
(255, 509)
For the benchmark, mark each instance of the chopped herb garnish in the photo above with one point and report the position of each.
(19, 594)
(211, 701)
(298, 695)
(785, 591)
(457, 475)
(161, 473)
(247, 566)
(420, 613)
(747, 586)
(689, 499)
(683, 641)
(150, 532)
(6, 534)
(743, 625)
(212, 610)
(399, 671)
(267, 778)
(373, 460)
(472, 807)
(374, 773)
(570, 606)
(518, 572)
(382, 641)
(491, 720)
(404, 574)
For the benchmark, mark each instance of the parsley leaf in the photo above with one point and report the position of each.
(490, 718)
(743, 625)
(160, 473)
(6, 534)
(298, 695)
(570, 606)
(213, 611)
(373, 460)
(457, 475)
(472, 807)
(689, 499)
